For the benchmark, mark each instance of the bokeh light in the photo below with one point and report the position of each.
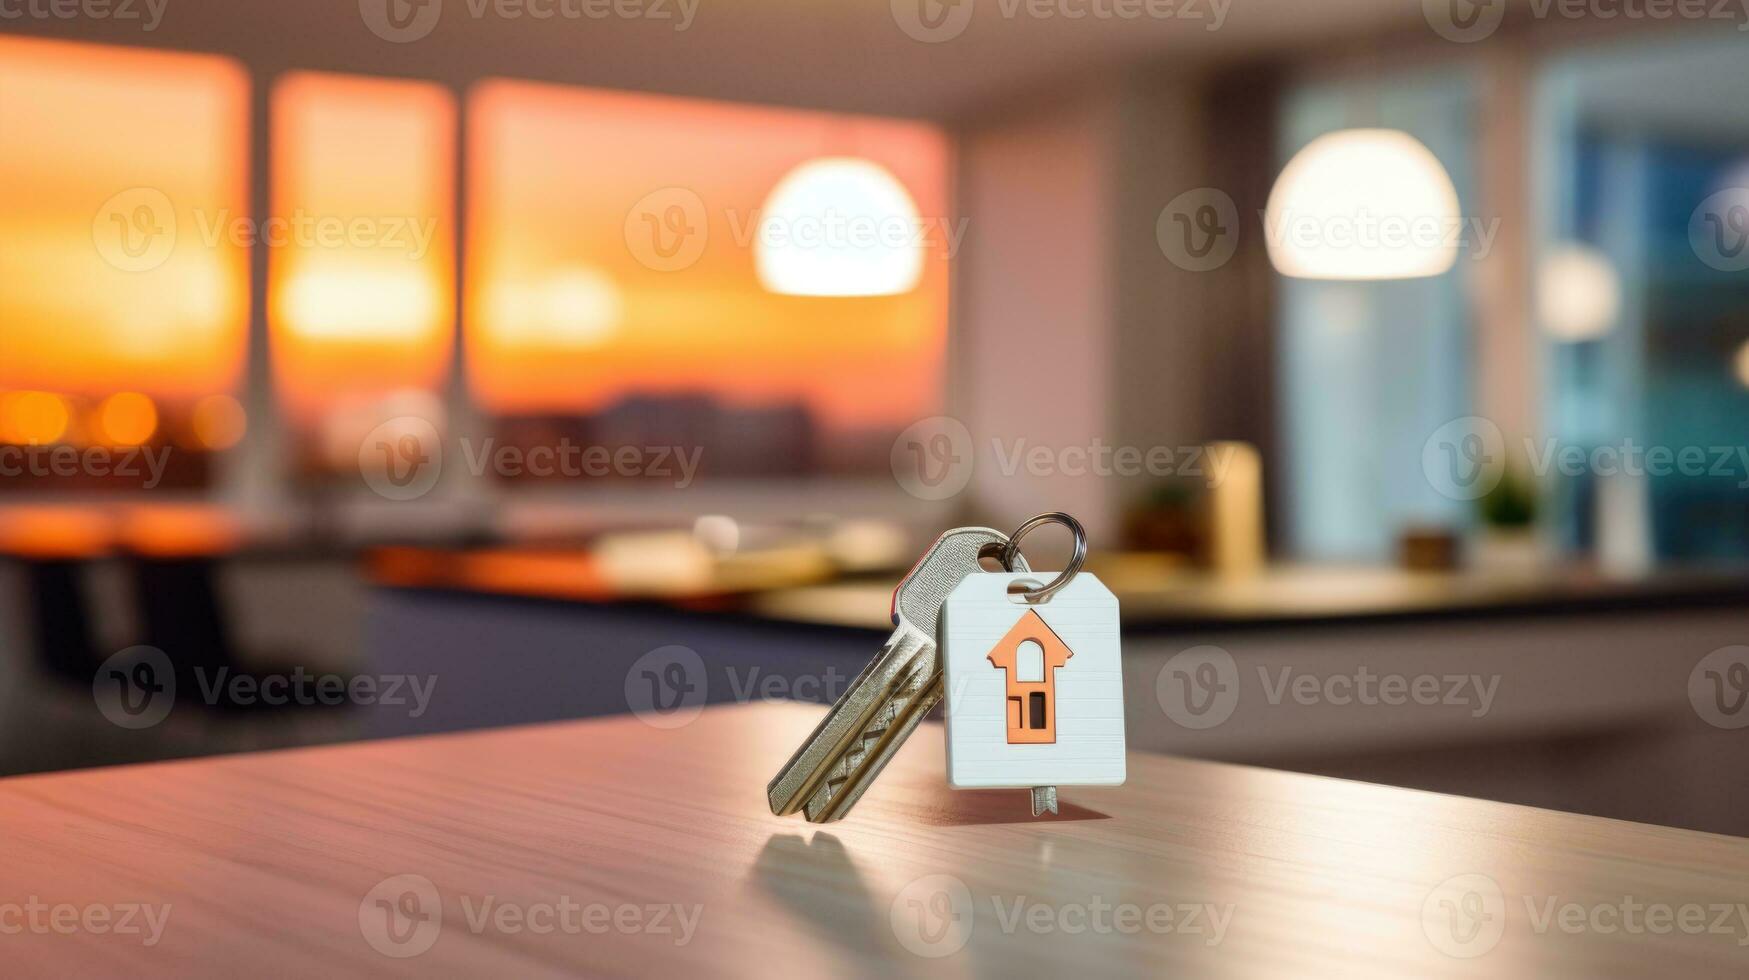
(127, 418)
(218, 422)
(1577, 293)
(30, 418)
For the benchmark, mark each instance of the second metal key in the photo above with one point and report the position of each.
(833, 768)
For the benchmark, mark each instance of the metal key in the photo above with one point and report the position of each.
(839, 761)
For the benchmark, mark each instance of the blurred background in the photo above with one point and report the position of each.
(404, 366)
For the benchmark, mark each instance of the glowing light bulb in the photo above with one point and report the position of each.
(1362, 204)
(839, 226)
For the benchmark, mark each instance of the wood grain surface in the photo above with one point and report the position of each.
(616, 847)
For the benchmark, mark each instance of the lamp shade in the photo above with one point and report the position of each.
(839, 226)
(1363, 204)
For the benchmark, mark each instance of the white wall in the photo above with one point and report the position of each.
(1072, 327)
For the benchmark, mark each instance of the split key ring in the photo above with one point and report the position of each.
(1069, 572)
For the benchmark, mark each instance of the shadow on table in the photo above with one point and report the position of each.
(946, 807)
(817, 882)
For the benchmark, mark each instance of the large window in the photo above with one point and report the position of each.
(1372, 367)
(768, 283)
(1643, 169)
(124, 314)
(614, 276)
(361, 243)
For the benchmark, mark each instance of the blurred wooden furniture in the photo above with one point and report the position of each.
(1575, 686)
(181, 609)
(1156, 593)
(63, 641)
(292, 863)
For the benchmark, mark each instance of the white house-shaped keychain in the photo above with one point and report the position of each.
(1033, 679)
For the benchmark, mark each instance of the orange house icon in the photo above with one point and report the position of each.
(1032, 678)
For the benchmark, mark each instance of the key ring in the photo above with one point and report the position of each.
(1076, 560)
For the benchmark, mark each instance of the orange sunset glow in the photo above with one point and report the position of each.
(611, 251)
(361, 281)
(109, 278)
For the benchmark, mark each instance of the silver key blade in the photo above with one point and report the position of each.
(806, 771)
(856, 769)
(878, 710)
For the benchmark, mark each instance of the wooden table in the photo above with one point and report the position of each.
(653, 846)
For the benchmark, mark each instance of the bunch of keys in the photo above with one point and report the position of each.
(1007, 651)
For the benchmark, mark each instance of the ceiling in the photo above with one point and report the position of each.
(838, 54)
(1679, 84)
